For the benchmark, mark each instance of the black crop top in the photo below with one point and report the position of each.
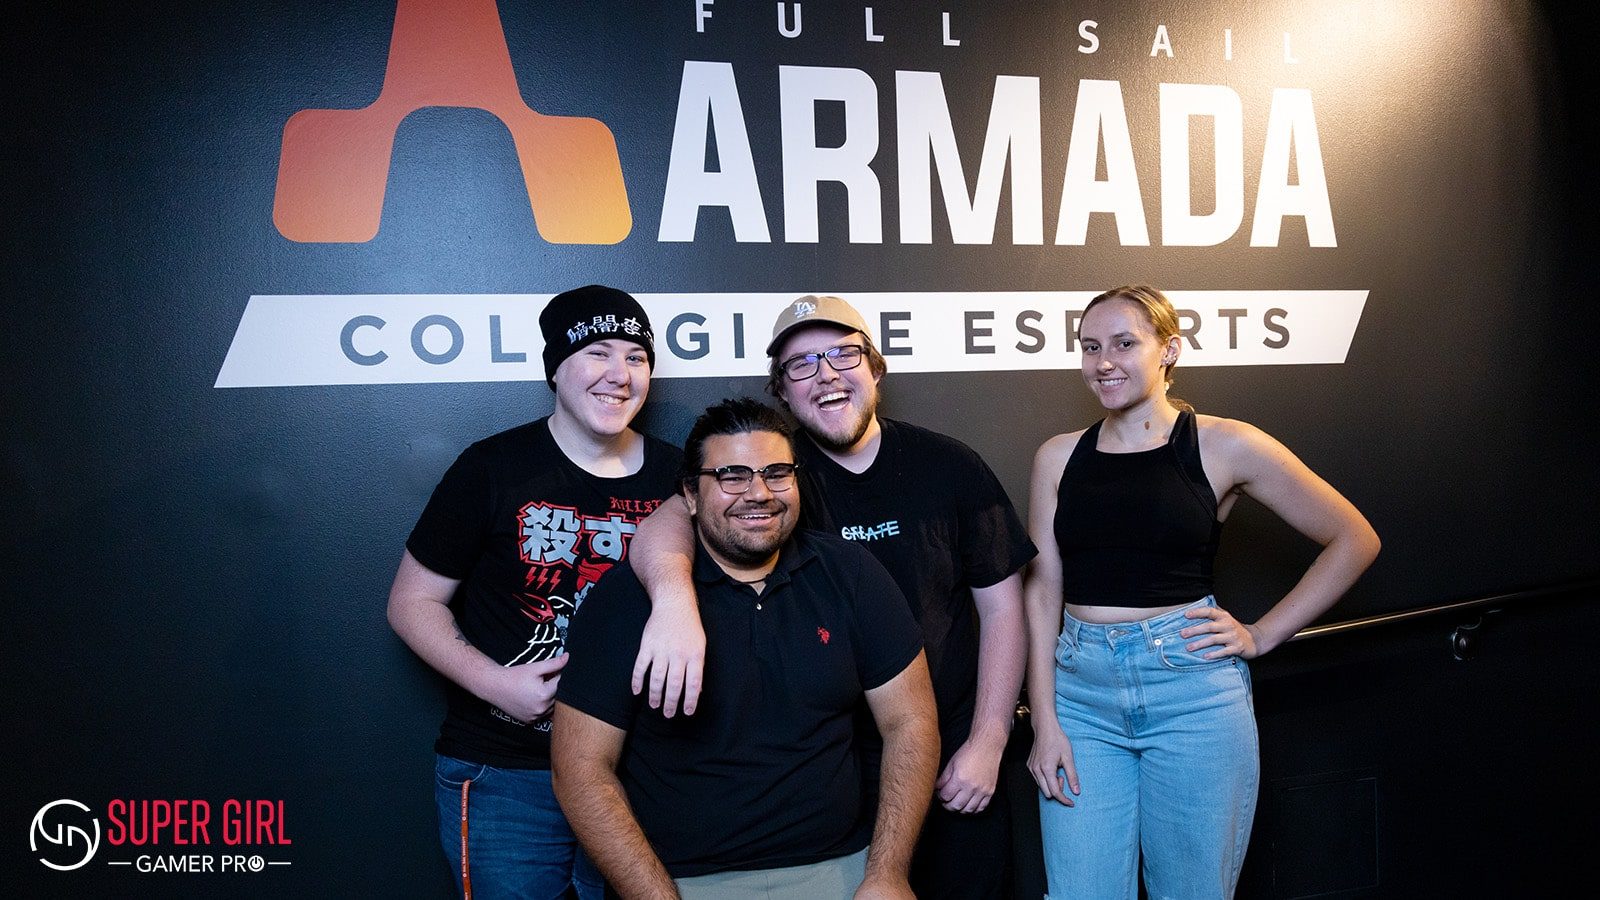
(1137, 529)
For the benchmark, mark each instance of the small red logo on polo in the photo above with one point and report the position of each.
(823, 633)
(335, 163)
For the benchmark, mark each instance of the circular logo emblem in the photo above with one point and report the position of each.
(67, 835)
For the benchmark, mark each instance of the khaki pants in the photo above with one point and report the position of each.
(830, 878)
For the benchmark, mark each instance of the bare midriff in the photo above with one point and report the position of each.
(1113, 615)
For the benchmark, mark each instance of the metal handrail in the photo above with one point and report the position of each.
(1317, 631)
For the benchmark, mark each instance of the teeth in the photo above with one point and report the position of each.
(1112, 382)
(830, 397)
(609, 400)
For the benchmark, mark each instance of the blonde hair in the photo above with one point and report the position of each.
(1161, 315)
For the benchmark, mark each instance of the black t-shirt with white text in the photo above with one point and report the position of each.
(528, 534)
(931, 510)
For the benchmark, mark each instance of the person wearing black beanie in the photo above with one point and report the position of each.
(518, 531)
(574, 319)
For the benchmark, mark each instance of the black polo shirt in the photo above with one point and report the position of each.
(764, 774)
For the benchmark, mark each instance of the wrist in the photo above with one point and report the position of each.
(678, 602)
(493, 683)
(883, 878)
(1044, 725)
(990, 736)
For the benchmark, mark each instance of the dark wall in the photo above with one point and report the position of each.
(1392, 766)
(197, 575)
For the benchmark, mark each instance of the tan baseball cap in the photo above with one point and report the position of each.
(812, 309)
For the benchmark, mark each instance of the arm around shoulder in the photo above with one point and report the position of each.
(671, 659)
(662, 550)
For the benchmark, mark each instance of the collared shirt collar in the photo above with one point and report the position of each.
(795, 552)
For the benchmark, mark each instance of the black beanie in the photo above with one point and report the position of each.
(577, 318)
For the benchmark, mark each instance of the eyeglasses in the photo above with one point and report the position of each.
(736, 479)
(841, 358)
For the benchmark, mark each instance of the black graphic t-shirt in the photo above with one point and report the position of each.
(931, 510)
(528, 533)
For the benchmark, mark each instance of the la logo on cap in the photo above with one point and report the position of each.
(803, 308)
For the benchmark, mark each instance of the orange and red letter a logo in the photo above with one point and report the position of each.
(335, 163)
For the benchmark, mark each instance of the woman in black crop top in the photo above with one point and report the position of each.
(1153, 744)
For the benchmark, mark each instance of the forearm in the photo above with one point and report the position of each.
(595, 805)
(1042, 592)
(1002, 662)
(584, 752)
(910, 764)
(1264, 469)
(1332, 574)
(662, 552)
(430, 630)
(1043, 607)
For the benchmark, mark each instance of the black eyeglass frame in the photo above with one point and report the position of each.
(748, 475)
(815, 361)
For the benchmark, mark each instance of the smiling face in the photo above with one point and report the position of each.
(744, 530)
(1124, 361)
(835, 408)
(600, 388)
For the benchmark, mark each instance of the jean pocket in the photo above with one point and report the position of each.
(1066, 654)
(451, 773)
(1175, 653)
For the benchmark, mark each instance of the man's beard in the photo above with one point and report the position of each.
(840, 444)
(744, 548)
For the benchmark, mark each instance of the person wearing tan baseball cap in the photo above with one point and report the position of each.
(814, 309)
(928, 508)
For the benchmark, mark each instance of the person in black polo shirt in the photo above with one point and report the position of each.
(760, 792)
(933, 513)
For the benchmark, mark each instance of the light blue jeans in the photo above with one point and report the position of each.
(519, 845)
(1165, 745)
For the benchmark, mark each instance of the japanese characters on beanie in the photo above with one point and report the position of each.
(577, 318)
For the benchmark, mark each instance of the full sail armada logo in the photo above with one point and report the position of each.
(334, 168)
(335, 163)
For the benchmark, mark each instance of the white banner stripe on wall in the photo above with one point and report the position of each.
(420, 338)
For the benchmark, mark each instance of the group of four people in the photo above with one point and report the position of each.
(778, 698)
